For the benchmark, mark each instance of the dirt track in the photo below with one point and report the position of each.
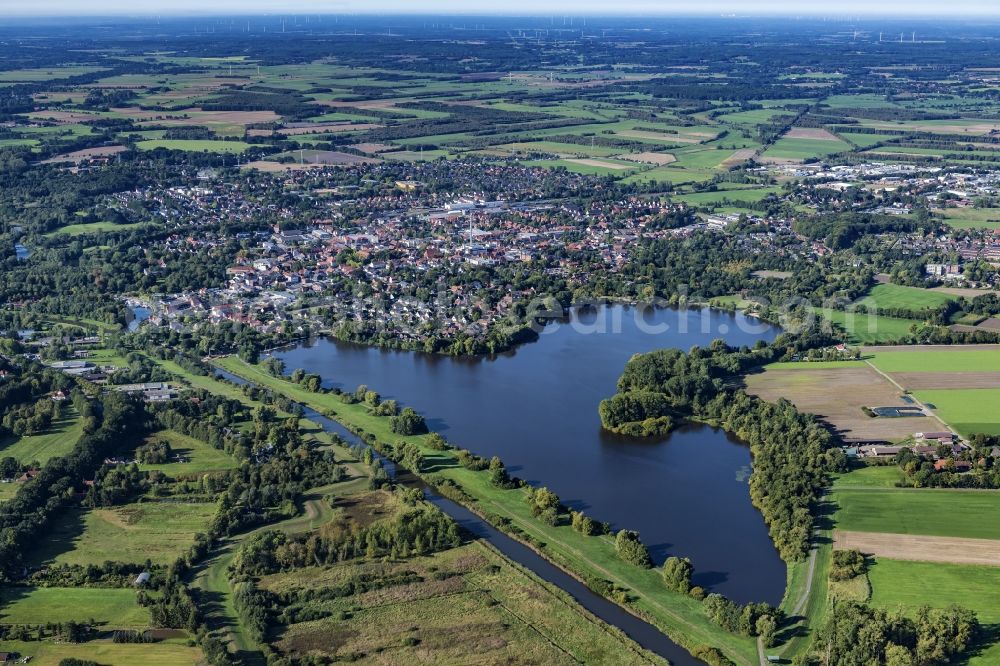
(921, 548)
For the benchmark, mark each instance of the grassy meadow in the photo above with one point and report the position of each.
(200, 457)
(969, 411)
(155, 531)
(112, 608)
(955, 513)
(58, 440)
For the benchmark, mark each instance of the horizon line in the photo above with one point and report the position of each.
(832, 17)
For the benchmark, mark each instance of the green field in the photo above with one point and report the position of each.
(906, 298)
(953, 513)
(747, 195)
(954, 359)
(873, 476)
(867, 328)
(971, 218)
(40, 605)
(967, 410)
(92, 228)
(172, 652)
(910, 585)
(8, 490)
(588, 169)
(46, 74)
(802, 149)
(196, 145)
(158, 531)
(201, 457)
(58, 440)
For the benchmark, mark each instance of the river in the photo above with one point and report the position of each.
(536, 408)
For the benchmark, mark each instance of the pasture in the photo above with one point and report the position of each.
(199, 456)
(172, 652)
(58, 440)
(867, 328)
(904, 298)
(894, 585)
(952, 513)
(157, 531)
(111, 608)
(968, 411)
(869, 476)
(196, 145)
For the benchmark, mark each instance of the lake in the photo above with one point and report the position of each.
(536, 408)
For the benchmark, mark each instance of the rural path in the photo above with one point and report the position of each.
(927, 410)
(800, 603)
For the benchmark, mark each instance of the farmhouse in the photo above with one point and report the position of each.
(949, 464)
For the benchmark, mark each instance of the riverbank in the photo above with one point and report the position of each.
(592, 558)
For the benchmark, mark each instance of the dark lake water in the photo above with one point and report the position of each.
(645, 634)
(536, 408)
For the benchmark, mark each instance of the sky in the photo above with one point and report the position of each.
(483, 7)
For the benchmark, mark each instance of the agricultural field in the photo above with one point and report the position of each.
(947, 513)
(936, 360)
(112, 608)
(903, 298)
(971, 218)
(941, 585)
(867, 328)
(959, 386)
(937, 537)
(800, 147)
(150, 530)
(196, 145)
(969, 411)
(170, 652)
(836, 394)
